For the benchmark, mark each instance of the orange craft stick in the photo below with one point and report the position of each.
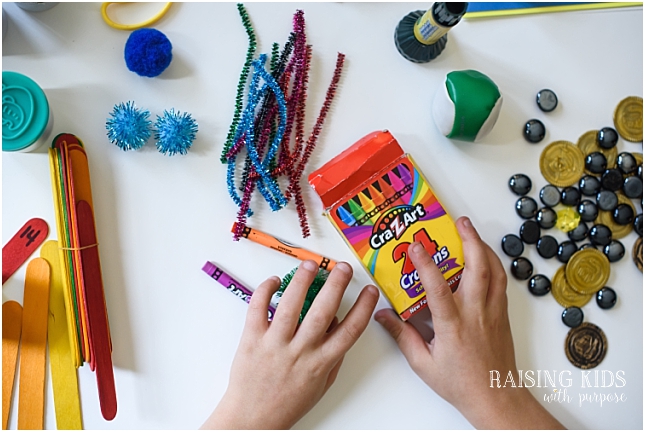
(33, 353)
(11, 326)
(286, 248)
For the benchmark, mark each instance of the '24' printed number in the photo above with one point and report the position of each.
(401, 250)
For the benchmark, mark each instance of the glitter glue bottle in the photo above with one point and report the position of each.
(26, 117)
(420, 37)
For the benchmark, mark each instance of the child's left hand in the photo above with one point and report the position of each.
(282, 369)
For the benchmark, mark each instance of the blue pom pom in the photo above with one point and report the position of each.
(129, 127)
(148, 52)
(175, 132)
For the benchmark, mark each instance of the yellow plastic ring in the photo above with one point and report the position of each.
(151, 21)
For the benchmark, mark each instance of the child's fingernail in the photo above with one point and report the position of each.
(344, 267)
(468, 223)
(416, 248)
(310, 265)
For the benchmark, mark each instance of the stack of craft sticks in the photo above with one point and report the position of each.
(80, 268)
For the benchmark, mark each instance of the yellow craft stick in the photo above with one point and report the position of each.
(60, 226)
(11, 325)
(33, 352)
(64, 379)
(549, 9)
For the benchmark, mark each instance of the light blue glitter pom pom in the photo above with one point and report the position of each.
(128, 127)
(175, 132)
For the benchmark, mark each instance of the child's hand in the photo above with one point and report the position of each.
(472, 337)
(282, 369)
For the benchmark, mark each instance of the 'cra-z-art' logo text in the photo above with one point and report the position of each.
(394, 224)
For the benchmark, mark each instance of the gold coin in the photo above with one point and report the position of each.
(606, 218)
(628, 118)
(588, 143)
(637, 253)
(563, 294)
(587, 271)
(585, 346)
(562, 163)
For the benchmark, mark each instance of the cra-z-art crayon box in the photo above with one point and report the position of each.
(379, 201)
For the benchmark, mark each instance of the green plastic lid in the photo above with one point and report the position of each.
(25, 111)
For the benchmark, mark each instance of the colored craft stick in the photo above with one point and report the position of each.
(11, 326)
(232, 285)
(22, 245)
(499, 9)
(284, 247)
(63, 373)
(33, 350)
(346, 216)
(98, 325)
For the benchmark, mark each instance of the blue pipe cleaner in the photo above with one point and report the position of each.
(175, 132)
(129, 127)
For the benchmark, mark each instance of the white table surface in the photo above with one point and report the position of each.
(159, 218)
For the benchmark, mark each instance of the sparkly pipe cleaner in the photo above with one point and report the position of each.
(246, 21)
(268, 133)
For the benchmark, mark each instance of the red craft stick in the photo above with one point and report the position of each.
(22, 245)
(95, 300)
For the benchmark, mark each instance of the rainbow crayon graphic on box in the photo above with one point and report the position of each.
(379, 201)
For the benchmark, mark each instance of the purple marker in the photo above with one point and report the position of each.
(232, 285)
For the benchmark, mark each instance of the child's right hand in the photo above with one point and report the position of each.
(472, 338)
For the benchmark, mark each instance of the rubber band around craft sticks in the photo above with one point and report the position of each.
(79, 248)
(127, 27)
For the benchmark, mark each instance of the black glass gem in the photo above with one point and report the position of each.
(633, 187)
(534, 131)
(588, 211)
(546, 217)
(550, 195)
(521, 268)
(520, 184)
(638, 224)
(596, 162)
(626, 163)
(614, 251)
(526, 207)
(639, 171)
(570, 196)
(547, 100)
(530, 232)
(539, 285)
(579, 233)
(606, 298)
(589, 185)
(607, 137)
(547, 246)
(572, 316)
(600, 235)
(612, 179)
(587, 246)
(606, 200)
(623, 214)
(512, 245)
(565, 250)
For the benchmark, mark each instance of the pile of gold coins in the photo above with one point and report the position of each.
(586, 272)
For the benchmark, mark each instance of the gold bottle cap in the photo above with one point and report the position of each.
(563, 293)
(628, 118)
(586, 346)
(587, 271)
(562, 163)
(588, 143)
(637, 253)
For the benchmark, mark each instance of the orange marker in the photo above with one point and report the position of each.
(284, 247)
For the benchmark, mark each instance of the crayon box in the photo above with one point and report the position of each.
(380, 203)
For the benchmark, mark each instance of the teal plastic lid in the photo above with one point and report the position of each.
(25, 111)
